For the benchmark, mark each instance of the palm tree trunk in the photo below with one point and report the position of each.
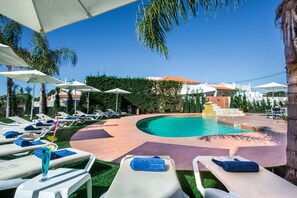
(42, 101)
(291, 174)
(9, 93)
(289, 28)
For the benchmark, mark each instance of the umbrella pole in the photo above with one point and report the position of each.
(88, 103)
(32, 105)
(117, 102)
(74, 101)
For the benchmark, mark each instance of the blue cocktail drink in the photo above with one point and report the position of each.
(45, 160)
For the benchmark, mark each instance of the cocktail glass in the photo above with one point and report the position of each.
(45, 160)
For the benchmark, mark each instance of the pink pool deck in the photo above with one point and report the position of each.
(112, 139)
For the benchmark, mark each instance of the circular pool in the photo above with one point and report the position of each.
(185, 126)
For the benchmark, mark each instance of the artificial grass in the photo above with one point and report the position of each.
(103, 173)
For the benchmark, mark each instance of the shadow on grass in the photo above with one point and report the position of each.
(102, 174)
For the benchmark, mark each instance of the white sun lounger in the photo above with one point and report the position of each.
(12, 171)
(26, 135)
(145, 184)
(245, 185)
(20, 120)
(95, 116)
(8, 149)
(64, 117)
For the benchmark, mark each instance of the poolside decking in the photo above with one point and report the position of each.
(112, 139)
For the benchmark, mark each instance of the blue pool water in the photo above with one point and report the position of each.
(173, 126)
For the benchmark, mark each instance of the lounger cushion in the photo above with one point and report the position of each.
(148, 164)
(238, 166)
(54, 154)
(12, 134)
(23, 143)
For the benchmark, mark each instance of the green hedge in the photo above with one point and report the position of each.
(147, 95)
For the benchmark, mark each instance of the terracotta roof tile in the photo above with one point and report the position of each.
(222, 88)
(179, 79)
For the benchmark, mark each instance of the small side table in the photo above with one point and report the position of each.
(62, 183)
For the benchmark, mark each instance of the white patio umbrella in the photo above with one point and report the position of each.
(47, 15)
(90, 89)
(117, 91)
(272, 86)
(30, 76)
(8, 57)
(75, 85)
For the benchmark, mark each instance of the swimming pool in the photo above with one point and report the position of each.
(188, 126)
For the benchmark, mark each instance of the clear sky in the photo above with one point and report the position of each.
(234, 45)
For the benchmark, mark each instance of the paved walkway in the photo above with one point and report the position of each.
(112, 139)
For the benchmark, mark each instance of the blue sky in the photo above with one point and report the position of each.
(234, 45)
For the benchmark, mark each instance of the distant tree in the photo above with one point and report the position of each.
(57, 105)
(49, 60)
(28, 100)
(11, 34)
(70, 103)
(14, 99)
(51, 92)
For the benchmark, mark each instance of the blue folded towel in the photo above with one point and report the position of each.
(40, 124)
(238, 166)
(11, 134)
(31, 128)
(50, 121)
(23, 143)
(70, 118)
(54, 154)
(155, 164)
(36, 142)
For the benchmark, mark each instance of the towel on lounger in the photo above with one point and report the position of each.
(50, 121)
(155, 164)
(54, 154)
(30, 128)
(238, 166)
(11, 134)
(23, 143)
(40, 124)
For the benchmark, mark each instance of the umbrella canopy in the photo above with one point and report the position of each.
(8, 57)
(75, 85)
(31, 76)
(117, 91)
(44, 15)
(90, 89)
(272, 86)
(201, 88)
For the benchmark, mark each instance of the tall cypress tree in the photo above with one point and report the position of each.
(70, 103)
(57, 105)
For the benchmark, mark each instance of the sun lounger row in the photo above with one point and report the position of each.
(151, 176)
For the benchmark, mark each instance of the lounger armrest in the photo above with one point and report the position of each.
(90, 162)
(197, 176)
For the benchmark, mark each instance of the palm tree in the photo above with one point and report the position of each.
(287, 15)
(49, 60)
(159, 17)
(10, 34)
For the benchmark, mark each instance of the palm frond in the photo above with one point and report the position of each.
(158, 17)
(66, 55)
(11, 34)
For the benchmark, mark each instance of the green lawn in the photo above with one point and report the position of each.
(104, 172)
